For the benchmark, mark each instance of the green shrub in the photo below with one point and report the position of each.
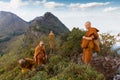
(56, 65)
(76, 72)
(41, 75)
(71, 45)
(106, 43)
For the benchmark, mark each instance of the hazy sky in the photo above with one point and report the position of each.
(104, 14)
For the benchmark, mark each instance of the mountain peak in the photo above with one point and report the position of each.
(48, 14)
(4, 13)
(10, 22)
(49, 22)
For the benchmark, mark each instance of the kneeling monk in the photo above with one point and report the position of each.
(39, 55)
(26, 64)
(90, 43)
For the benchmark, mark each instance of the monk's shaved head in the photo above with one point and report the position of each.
(87, 24)
(41, 43)
(51, 31)
(22, 62)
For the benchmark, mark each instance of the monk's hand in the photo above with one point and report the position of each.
(84, 37)
(46, 56)
(35, 58)
(87, 38)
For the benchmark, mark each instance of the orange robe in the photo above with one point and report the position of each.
(51, 40)
(26, 65)
(39, 55)
(89, 46)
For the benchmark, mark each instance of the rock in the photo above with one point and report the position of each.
(117, 77)
(95, 55)
(108, 66)
(119, 70)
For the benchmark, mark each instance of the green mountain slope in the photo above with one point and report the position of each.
(62, 64)
(58, 67)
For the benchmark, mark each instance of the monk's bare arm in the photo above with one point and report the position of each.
(36, 51)
(88, 38)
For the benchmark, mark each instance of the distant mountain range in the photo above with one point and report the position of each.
(11, 24)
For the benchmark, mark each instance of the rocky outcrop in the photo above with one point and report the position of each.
(107, 65)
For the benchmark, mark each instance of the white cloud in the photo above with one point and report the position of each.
(52, 5)
(35, 2)
(87, 5)
(13, 4)
(111, 9)
(18, 7)
(3, 5)
(17, 4)
(44, 1)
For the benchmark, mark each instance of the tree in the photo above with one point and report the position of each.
(71, 45)
(106, 43)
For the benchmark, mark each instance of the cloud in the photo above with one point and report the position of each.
(3, 5)
(35, 2)
(44, 1)
(111, 9)
(22, 8)
(87, 5)
(52, 5)
(13, 4)
(17, 4)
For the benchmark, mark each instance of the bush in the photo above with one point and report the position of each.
(106, 43)
(56, 65)
(76, 72)
(41, 75)
(71, 45)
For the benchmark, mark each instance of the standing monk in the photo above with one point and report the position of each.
(39, 55)
(89, 43)
(51, 40)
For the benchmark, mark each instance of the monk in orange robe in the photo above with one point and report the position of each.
(26, 64)
(90, 43)
(51, 40)
(39, 55)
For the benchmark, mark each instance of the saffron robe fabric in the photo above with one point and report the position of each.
(89, 46)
